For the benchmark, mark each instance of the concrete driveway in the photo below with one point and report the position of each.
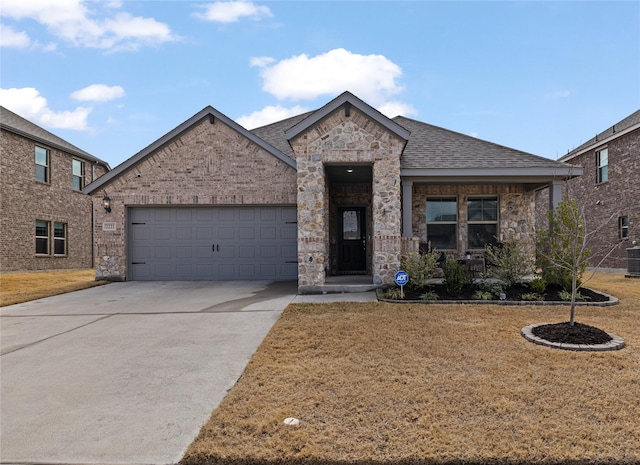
(126, 373)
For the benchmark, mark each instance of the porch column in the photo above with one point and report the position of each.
(407, 204)
(555, 194)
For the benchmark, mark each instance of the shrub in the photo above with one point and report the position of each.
(420, 268)
(532, 296)
(430, 295)
(394, 293)
(482, 295)
(566, 296)
(455, 276)
(494, 288)
(508, 262)
(538, 285)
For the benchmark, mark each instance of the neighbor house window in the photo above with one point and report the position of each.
(602, 160)
(59, 238)
(482, 221)
(78, 174)
(623, 227)
(42, 164)
(42, 237)
(442, 223)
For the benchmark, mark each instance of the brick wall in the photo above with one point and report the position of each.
(209, 164)
(23, 200)
(604, 203)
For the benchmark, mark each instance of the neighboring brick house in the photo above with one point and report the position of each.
(608, 190)
(46, 219)
(340, 190)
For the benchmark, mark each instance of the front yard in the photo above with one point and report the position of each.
(16, 288)
(405, 384)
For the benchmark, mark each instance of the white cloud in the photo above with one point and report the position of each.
(231, 12)
(98, 93)
(261, 62)
(393, 108)
(73, 22)
(269, 114)
(371, 77)
(558, 94)
(28, 103)
(13, 39)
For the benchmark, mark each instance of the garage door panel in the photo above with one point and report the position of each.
(212, 243)
(226, 232)
(162, 234)
(247, 251)
(245, 233)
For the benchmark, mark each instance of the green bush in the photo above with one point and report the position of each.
(420, 268)
(566, 296)
(394, 293)
(494, 288)
(430, 295)
(538, 285)
(508, 262)
(482, 295)
(532, 296)
(455, 276)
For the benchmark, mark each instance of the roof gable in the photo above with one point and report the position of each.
(15, 123)
(346, 99)
(207, 112)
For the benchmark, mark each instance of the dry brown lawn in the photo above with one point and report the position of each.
(433, 384)
(16, 288)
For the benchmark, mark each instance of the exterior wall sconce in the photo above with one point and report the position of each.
(106, 203)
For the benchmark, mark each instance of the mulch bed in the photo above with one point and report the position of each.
(512, 293)
(568, 334)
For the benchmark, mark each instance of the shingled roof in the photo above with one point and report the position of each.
(434, 147)
(628, 124)
(10, 121)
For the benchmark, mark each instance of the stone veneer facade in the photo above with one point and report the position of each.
(210, 164)
(516, 212)
(347, 139)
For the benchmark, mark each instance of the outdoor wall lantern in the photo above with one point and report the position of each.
(106, 203)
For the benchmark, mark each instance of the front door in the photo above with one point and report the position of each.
(352, 240)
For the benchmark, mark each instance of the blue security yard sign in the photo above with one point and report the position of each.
(401, 278)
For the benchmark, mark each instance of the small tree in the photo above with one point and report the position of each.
(563, 250)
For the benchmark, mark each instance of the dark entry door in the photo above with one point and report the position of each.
(352, 242)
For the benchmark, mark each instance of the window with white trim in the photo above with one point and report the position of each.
(60, 238)
(602, 162)
(623, 227)
(442, 222)
(482, 221)
(42, 237)
(42, 164)
(78, 174)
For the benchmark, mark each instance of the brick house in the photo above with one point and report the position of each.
(609, 189)
(46, 219)
(338, 191)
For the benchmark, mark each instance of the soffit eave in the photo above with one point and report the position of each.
(490, 175)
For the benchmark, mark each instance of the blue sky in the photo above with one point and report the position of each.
(111, 77)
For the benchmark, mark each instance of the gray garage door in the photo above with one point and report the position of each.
(212, 243)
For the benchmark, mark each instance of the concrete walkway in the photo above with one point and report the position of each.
(129, 372)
